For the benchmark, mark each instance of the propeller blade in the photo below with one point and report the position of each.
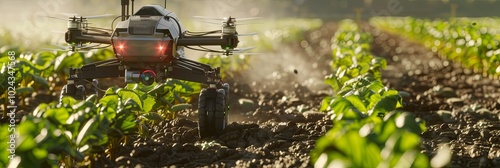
(52, 49)
(225, 18)
(209, 22)
(240, 50)
(209, 18)
(247, 34)
(239, 24)
(60, 46)
(221, 23)
(249, 53)
(69, 14)
(77, 46)
(87, 17)
(250, 18)
(88, 47)
(58, 31)
(99, 16)
(238, 54)
(60, 50)
(52, 17)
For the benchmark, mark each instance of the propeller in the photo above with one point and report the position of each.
(241, 50)
(52, 17)
(76, 16)
(61, 50)
(73, 47)
(218, 23)
(226, 52)
(247, 34)
(235, 51)
(226, 18)
(58, 31)
(87, 17)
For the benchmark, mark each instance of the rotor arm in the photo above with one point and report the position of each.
(185, 69)
(225, 41)
(102, 69)
(78, 37)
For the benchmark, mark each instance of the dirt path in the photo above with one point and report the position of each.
(461, 108)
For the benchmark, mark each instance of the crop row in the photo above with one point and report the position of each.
(473, 44)
(368, 130)
(34, 72)
(72, 132)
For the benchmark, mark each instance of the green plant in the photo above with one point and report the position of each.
(475, 46)
(368, 129)
(42, 70)
(72, 132)
(393, 141)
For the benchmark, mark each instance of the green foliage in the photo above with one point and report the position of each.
(373, 142)
(351, 56)
(77, 129)
(475, 46)
(38, 71)
(360, 137)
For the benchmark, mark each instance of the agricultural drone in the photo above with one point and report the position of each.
(149, 46)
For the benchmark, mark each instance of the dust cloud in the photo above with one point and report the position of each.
(25, 22)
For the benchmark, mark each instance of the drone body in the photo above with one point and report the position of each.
(149, 47)
(147, 38)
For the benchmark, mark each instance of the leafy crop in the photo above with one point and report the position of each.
(368, 129)
(473, 45)
(72, 132)
(42, 70)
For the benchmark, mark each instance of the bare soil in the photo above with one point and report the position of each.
(461, 108)
(274, 122)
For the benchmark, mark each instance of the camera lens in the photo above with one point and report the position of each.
(148, 77)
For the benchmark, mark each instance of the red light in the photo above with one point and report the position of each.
(121, 47)
(161, 47)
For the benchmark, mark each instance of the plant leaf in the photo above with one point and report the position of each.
(152, 116)
(179, 107)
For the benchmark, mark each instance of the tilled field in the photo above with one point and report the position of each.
(274, 121)
(461, 108)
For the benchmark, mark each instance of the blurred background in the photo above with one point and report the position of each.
(297, 44)
(23, 17)
(24, 23)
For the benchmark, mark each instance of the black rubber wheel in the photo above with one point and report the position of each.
(220, 112)
(212, 112)
(202, 114)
